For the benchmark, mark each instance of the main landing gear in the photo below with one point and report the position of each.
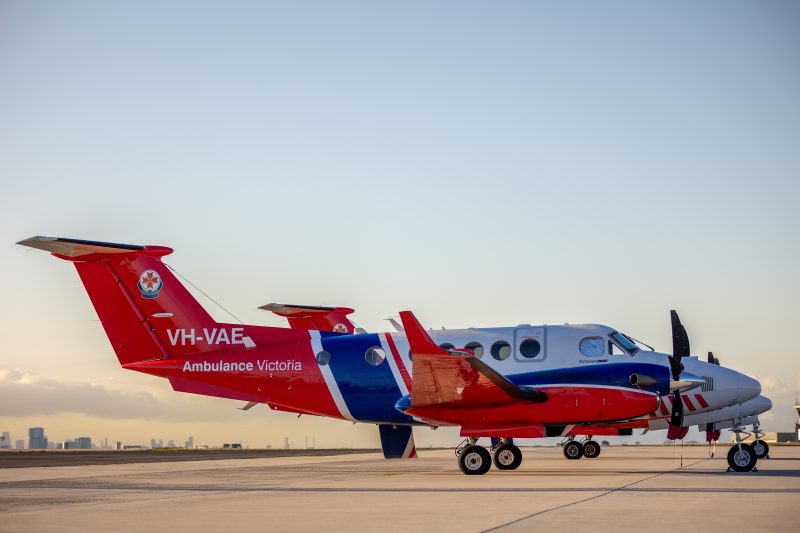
(575, 450)
(742, 457)
(475, 460)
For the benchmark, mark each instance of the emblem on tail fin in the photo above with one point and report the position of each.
(150, 284)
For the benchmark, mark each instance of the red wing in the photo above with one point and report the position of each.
(456, 378)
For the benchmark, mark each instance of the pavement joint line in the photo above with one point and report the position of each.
(596, 496)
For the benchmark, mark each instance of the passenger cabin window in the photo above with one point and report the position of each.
(501, 350)
(624, 342)
(375, 356)
(476, 348)
(530, 348)
(446, 346)
(592, 346)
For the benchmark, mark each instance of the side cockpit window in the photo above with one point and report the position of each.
(623, 342)
(592, 346)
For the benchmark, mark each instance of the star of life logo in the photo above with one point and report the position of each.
(150, 284)
(340, 328)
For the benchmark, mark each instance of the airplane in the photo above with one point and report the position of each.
(501, 383)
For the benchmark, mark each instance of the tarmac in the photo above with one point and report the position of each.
(628, 488)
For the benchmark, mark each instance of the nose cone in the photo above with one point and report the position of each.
(748, 388)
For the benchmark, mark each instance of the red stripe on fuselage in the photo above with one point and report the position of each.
(688, 403)
(400, 365)
(701, 401)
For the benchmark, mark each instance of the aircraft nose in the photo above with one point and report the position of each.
(749, 388)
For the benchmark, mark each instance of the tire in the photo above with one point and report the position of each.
(507, 457)
(573, 450)
(591, 449)
(474, 461)
(761, 449)
(742, 460)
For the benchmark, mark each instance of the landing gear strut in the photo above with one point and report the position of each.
(741, 457)
(507, 456)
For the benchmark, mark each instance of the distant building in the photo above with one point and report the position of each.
(83, 443)
(189, 442)
(5, 440)
(170, 443)
(20, 444)
(37, 440)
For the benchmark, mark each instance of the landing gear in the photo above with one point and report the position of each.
(741, 457)
(760, 447)
(591, 449)
(473, 460)
(507, 456)
(573, 450)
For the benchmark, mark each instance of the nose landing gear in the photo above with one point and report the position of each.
(741, 457)
(760, 448)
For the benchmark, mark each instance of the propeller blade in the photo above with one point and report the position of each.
(680, 340)
(676, 417)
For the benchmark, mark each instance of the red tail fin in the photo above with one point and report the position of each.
(146, 312)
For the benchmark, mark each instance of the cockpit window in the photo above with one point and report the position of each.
(591, 346)
(624, 342)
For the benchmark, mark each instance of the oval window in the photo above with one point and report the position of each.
(446, 346)
(476, 348)
(592, 346)
(501, 350)
(530, 348)
(410, 355)
(323, 358)
(375, 356)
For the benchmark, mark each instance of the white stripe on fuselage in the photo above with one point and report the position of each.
(330, 381)
(393, 364)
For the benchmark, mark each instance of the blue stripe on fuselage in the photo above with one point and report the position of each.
(608, 374)
(370, 392)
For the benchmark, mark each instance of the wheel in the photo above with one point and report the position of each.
(742, 460)
(507, 457)
(573, 450)
(474, 460)
(761, 449)
(591, 449)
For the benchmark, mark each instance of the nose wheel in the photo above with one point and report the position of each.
(742, 457)
(760, 448)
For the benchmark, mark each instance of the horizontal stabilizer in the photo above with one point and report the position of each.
(314, 317)
(77, 247)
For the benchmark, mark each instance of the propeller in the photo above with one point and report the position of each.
(680, 349)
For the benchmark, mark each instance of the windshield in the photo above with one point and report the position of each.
(624, 342)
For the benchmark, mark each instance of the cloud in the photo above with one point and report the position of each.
(24, 394)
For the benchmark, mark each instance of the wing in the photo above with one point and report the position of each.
(456, 378)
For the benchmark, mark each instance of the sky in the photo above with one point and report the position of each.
(480, 163)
